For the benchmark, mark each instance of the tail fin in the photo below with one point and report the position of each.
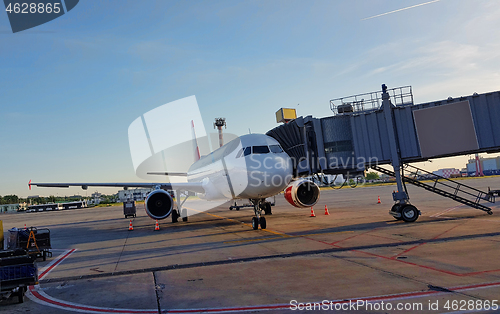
(195, 143)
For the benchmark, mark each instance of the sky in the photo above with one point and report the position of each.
(70, 88)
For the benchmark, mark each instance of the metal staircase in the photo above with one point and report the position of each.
(445, 187)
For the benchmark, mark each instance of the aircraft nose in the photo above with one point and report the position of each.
(283, 169)
(270, 175)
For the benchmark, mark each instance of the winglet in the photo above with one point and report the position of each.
(197, 155)
(29, 185)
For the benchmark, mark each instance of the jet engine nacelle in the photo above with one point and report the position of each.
(159, 204)
(302, 193)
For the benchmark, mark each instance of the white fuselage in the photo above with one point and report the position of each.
(253, 166)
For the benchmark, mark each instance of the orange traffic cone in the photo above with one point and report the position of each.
(326, 211)
(130, 228)
(379, 202)
(157, 226)
(312, 213)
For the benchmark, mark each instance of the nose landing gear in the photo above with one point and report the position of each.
(260, 205)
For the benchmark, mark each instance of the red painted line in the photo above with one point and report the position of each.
(445, 211)
(420, 244)
(480, 272)
(232, 309)
(91, 309)
(58, 261)
(37, 295)
(258, 307)
(476, 286)
(377, 236)
(367, 299)
(429, 267)
(394, 258)
(354, 236)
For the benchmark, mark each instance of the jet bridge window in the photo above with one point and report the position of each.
(276, 149)
(260, 149)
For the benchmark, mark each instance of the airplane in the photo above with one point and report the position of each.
(253, 167)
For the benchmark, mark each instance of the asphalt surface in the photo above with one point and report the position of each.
(215, 262)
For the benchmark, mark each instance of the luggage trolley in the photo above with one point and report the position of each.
(34, 241)
(18, 270)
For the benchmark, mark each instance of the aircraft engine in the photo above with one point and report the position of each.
(302, 193)
(159, 204)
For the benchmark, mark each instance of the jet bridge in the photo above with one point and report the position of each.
(377, 128)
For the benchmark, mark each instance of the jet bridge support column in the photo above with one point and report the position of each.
(402, 209)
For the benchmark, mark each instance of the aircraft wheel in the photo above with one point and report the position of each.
(175, 215)
(230, 207)
(409, 213)
(255, 223)
(395, 208)
(263, 223)
(184, 219)
(267, 209)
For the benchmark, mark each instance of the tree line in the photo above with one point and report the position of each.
(14, 199)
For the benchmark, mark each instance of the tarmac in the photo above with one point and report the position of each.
(357, 259)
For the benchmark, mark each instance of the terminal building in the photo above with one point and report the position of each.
(489, 166)
(134, 195)
(448, 173)
(12, 207)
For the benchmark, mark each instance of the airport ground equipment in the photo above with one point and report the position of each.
(18, 270)
(35, 241)
(129, 209)
(454, 190)
(266, 206)
(388, 128)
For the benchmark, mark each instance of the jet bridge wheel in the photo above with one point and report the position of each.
(409, 213)
(255, 223)
(396, 208)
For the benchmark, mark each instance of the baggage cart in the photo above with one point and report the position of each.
(18, 270)
(34, 241)
(129, 209)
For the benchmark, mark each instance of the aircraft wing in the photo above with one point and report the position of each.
(178, 174)
(183, 186)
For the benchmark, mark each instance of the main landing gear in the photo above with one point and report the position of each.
(260, 205)
(179, 211)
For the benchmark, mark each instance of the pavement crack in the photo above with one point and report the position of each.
(121, 253)
(158, 288)
(429, 286)
(437, 288)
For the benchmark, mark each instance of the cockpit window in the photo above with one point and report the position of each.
(260, 149)
(248, 151)
(276, 149)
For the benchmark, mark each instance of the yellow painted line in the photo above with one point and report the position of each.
(333, 232)
(287, 236)
(248, 225)
(250, 240)
(284, 235)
